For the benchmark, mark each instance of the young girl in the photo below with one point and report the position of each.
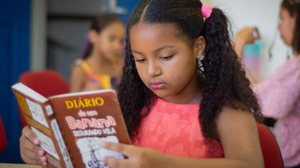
(183, 93)
(101, 64)
(279, 94)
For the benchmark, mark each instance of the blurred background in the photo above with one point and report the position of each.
(50, 34)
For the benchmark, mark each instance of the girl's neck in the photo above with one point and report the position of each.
(185, 99)
(98, 61)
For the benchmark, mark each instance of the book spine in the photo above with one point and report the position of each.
(61, 144)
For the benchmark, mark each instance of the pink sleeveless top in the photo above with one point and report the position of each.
(175, 129)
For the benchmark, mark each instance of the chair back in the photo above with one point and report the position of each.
(270, 149)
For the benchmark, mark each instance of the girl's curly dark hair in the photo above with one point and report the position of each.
(223, 80)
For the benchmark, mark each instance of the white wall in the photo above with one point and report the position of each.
(261, 13)
(38, 34)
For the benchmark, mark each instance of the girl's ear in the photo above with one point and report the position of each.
(199, 46)
(92, 35)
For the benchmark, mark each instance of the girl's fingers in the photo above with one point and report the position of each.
(53, 161)
(29, 149)
(29, 134)
(30, 157)
(113, 163)
(127, 150)
(116, 163)
(27, 145)
(43, 160)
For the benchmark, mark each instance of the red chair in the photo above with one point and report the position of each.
(271, 152)
(2, 136)
(46, 82)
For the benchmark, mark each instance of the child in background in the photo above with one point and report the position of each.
(183, 94)
(279, 95)
(102, 62)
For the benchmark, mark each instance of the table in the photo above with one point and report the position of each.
(8, 165)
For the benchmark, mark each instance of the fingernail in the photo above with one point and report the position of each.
(43, 158)
(36, 141)
(103, 144)
(104, 159)
(44, 163)
(41, 152)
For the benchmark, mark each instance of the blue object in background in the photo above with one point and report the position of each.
(251, 59)
(123, 8)
(253, 50)
(129, 5)
(14, 55)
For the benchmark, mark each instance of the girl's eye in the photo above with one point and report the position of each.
(167, 57)
(140, 60)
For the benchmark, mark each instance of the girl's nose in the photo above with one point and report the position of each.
(153, 68)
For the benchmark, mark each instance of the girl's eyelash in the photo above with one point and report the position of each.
(139, 60)
(167, 57)
(163, 58)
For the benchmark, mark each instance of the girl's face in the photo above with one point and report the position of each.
(110, 41)
(286, 26)
(165, 61)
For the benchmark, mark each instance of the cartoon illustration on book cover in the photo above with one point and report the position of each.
(92, 153)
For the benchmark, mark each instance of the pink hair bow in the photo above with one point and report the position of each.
(206, 11)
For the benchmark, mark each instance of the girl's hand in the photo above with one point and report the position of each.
(246, 35)
(30, 149)
(137, 157)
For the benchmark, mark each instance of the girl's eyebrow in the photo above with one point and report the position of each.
(163, 47)
(133, 51)
(156, 50)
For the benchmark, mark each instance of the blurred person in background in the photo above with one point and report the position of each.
(101, 64)
(279, 95)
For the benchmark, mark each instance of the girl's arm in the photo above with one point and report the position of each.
(238, 135)
(77, 79)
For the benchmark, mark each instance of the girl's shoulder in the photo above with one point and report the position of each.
(77, 69)
(79, 62)
(84, 67)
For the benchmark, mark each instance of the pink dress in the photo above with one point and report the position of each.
(175, 129)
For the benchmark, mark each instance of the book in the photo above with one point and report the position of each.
(72, 126)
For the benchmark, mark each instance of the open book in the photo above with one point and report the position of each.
(72, 126)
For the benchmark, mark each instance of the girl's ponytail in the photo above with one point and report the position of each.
(225, 82)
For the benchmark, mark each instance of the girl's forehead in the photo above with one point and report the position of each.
(153, 31)
(150, 37)
(154, 28)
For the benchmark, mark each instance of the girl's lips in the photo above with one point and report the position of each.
(157, 85)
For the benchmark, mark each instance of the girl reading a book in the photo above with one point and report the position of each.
(101, 64)
(183, 94)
